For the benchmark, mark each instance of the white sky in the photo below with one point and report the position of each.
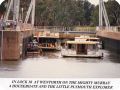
(97, 1)
(1, 1)
(92, 1)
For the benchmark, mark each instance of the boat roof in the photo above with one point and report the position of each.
(95, 38)
(82, 42)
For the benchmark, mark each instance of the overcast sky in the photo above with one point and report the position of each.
(1, 1)
(92, 1)
(97, 1)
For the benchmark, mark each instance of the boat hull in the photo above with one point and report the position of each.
(49, 49)
(83, 56)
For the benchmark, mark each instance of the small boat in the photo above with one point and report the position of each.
(33, 48)
(82, 48)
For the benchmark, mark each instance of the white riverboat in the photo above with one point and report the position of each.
(83, 47)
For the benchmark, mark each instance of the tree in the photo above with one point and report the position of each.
(95, 16)
(63, 12)
(113, 10)
(69, 12)
(2, 8)
(88, 9)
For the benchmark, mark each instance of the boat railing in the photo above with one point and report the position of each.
(94, 51)
(66, 51)
(109, 29)
(65, 29)
(91, 52)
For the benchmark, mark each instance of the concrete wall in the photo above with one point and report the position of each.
(14, 43)
(111, 40)
(109, 34)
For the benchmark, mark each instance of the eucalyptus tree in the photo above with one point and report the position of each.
(2, 8)
(113, 10)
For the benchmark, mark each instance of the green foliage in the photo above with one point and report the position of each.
(95, 16)
(2, 8)
(69, 12)
(113, 11)
(63, 12)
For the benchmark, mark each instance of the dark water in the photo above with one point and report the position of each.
(52, 65)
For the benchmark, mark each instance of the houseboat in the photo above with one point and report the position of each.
(48, 41)
(82, 48)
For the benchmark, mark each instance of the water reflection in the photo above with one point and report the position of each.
(9, 65)
(52, 65)
(108, 57)
(114, 57)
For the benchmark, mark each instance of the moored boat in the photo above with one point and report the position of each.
(82, 48)
(48, 41)
(33, 48)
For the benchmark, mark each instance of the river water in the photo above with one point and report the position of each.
(52, 65)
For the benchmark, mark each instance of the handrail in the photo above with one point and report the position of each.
(109, 29)
(63, 29)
